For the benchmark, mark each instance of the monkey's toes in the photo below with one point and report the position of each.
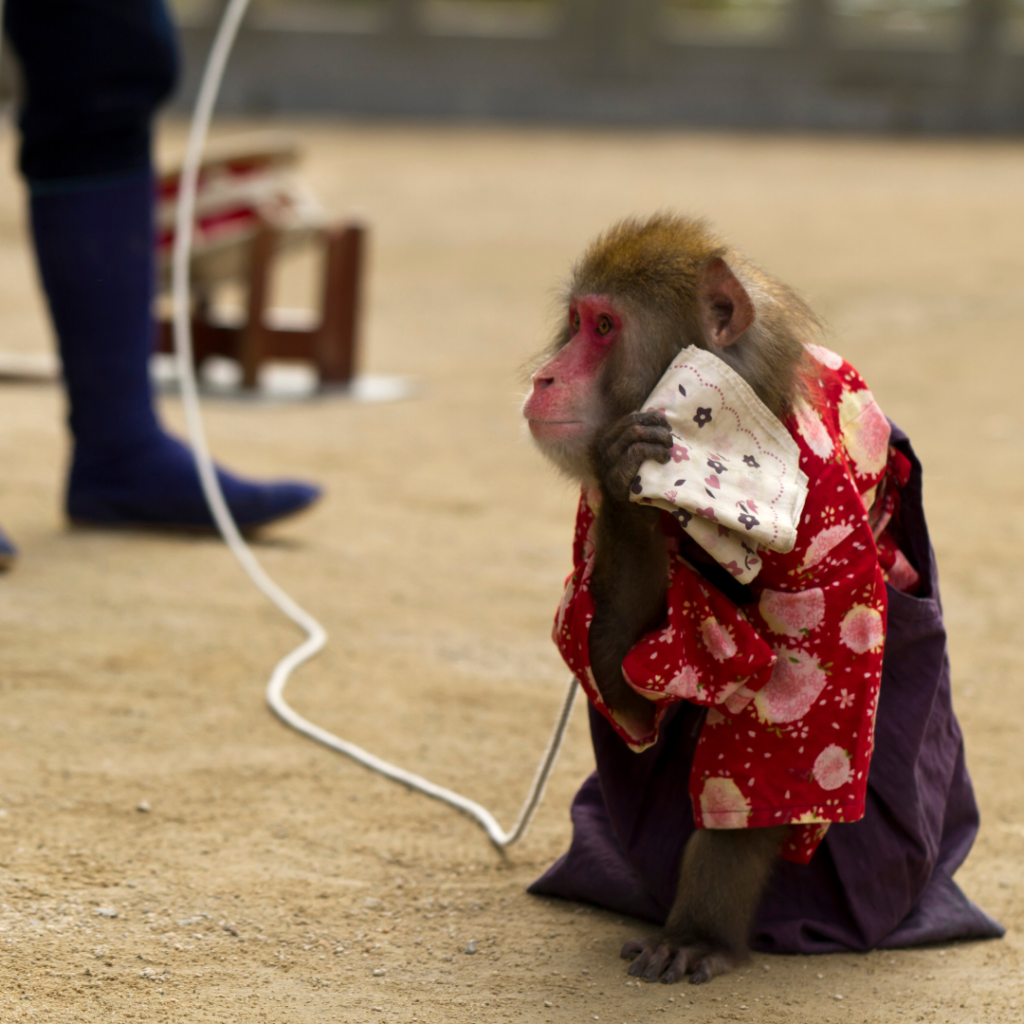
(639, 965)
(639, 951)
(656, 964)
(709, 966)
(632, 949)
(676, 970)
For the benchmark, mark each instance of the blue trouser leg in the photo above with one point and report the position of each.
(94, 247)
(8, 552)
(95, 71)
(94, 244)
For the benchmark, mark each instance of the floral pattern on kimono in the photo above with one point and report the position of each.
(790, 679)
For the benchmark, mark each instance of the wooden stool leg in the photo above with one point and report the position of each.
(252, 340)
(335, 343)
(201, 326)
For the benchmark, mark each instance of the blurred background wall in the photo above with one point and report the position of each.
(889, 65)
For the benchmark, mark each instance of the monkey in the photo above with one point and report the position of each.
(642, 292)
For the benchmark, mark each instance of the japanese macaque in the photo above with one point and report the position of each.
(641, 293)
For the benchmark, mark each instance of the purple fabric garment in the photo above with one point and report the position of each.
(884, 881)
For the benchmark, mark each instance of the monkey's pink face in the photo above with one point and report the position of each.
(565, 405)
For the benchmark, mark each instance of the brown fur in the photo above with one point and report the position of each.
(652, 268)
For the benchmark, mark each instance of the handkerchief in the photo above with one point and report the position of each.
(734, 481)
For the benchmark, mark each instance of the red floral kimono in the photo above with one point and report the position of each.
(791, 678)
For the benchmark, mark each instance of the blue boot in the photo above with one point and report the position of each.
(94, 244)
(8, 552)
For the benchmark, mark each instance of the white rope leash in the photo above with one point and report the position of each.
(316, 634)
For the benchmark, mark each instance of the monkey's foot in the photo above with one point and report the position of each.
(663, 959)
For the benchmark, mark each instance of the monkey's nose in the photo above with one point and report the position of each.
(539, 382)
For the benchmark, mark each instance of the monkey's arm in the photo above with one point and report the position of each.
(630, 562)
(721, 881)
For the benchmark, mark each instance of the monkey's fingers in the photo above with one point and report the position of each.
(651, 418)
(622, 473)
(617, 442)
(634, 421)
(622, 468)
(653, 450)
(709, 966)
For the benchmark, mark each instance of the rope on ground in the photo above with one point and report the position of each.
(316, 635)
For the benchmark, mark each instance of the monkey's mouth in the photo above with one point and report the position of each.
(555, 430)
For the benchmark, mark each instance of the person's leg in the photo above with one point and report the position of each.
(8, 552)
(95, 70)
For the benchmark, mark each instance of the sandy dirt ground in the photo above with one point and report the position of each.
(170, 852)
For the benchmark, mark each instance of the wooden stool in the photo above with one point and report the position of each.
(330, 346)
(250, 207)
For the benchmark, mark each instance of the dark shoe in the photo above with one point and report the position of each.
(8, 552)
(94, 242)
(158, 485)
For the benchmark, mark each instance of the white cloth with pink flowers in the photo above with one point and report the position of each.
(733, 481)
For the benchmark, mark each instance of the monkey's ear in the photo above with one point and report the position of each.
(725, 306)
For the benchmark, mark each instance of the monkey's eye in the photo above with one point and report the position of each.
(604, 325)
(574, 322)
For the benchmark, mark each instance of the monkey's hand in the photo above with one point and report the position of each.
(617, 451)
(668, 959)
